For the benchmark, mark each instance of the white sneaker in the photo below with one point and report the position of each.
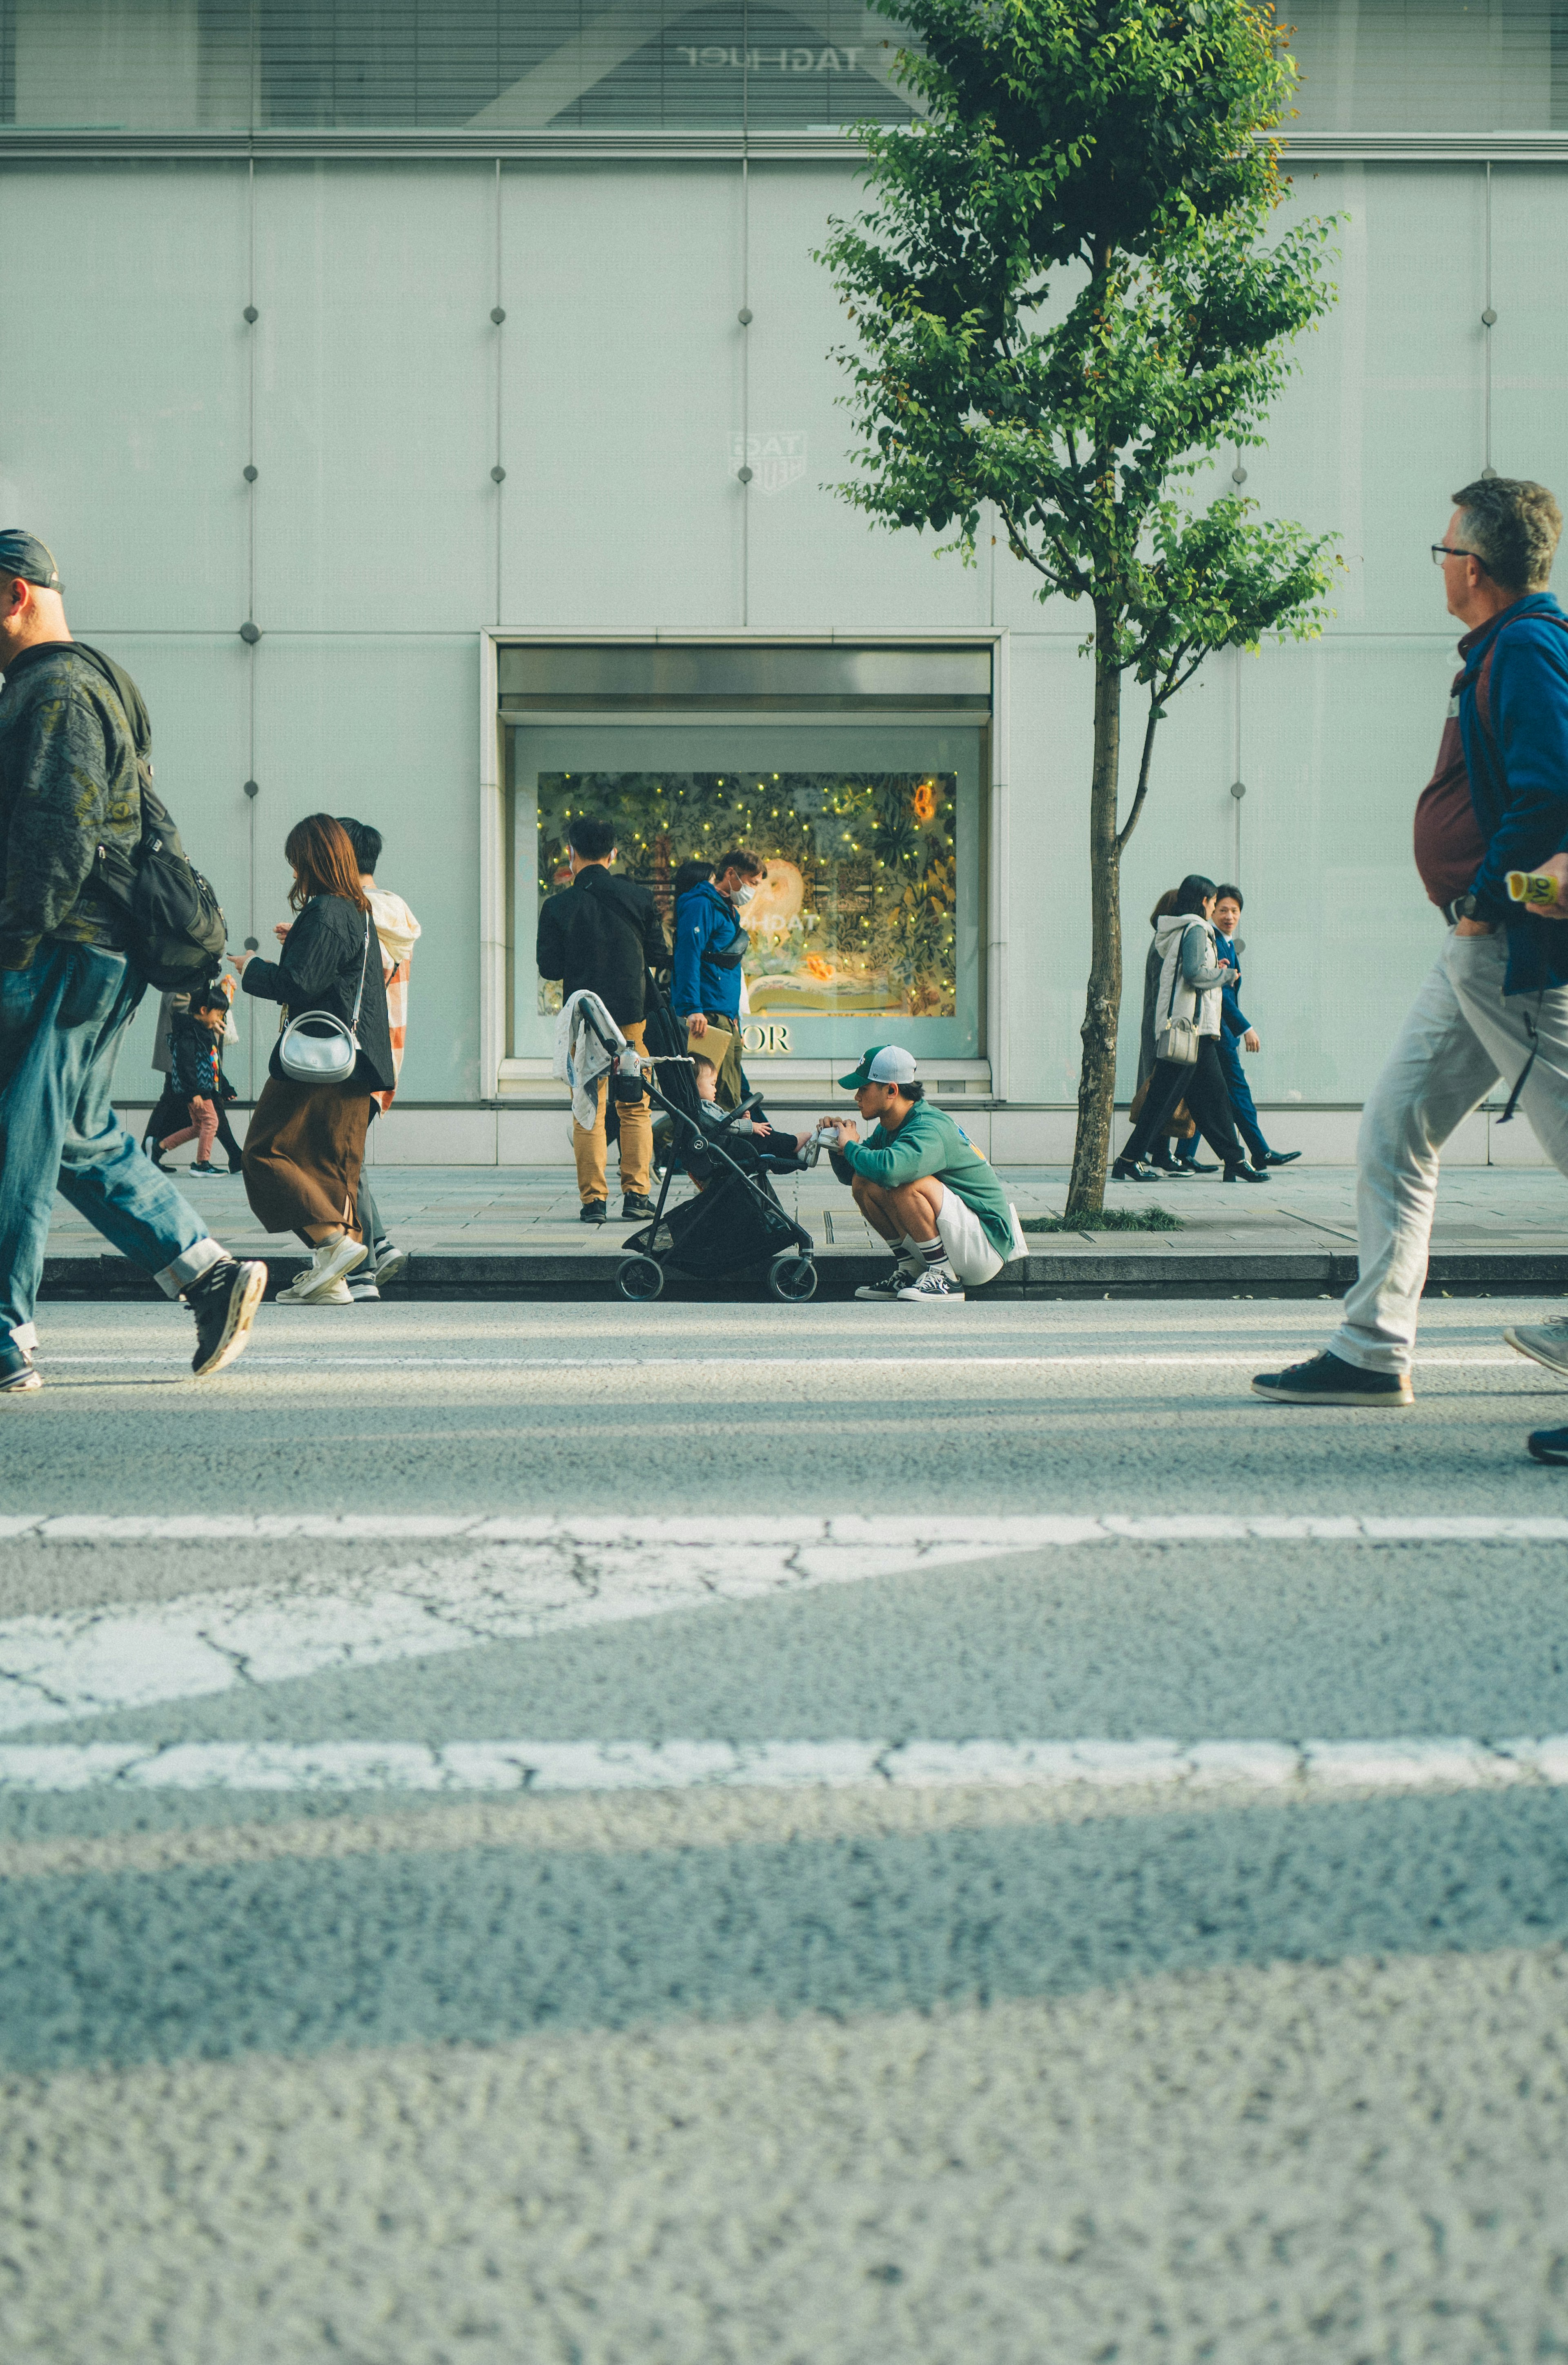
(337, 1293)
(361, 1292)
(390, 1261)
(933, 1288)
(1544, 1342)
(883, 1292)
(331, 1261)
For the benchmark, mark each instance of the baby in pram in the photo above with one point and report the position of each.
(776, 1152)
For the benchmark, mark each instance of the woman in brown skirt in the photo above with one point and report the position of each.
(305, 1142)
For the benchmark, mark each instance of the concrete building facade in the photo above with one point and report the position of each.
(431, 405)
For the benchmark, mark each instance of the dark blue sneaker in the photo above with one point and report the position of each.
(1548, 1444)
(17, 1373)
(1329, 1380)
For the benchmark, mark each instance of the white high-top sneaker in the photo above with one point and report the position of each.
(323, 1282)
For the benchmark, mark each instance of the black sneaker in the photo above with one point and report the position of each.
(1329, 1380)
(595, 1211)
(635, 1206)
(224, 1302)
(883, 1292)
(204, 1166)
(930, 1288)
(1548, 1444)
(17, 1373)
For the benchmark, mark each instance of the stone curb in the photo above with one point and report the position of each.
(1150, 1272)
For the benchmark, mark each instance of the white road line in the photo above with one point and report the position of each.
(262, 1359)
(516, 1579)
(1239, 1769)
(1004, 1531)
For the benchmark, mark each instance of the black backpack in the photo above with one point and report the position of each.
(174, 924)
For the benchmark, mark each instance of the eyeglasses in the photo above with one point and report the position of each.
(1441, 551)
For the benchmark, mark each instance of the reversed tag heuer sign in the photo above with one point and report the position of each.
(774, 460)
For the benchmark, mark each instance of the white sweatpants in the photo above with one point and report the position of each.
(1459, 1038)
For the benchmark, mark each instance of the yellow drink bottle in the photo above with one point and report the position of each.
(1531, 887)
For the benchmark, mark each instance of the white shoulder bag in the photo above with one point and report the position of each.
(316, 1049)
(1178, 1039)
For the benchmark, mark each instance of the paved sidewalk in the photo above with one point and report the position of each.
(515, 1230)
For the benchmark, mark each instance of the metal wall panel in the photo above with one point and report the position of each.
(374, 398)
(385, 730)
(622, 382)
(123, 353)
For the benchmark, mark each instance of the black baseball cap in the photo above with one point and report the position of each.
(22, 554)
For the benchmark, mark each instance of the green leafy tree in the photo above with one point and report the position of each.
(1066, 309)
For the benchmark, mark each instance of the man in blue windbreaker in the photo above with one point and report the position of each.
(709, 945)
(1495, 1004)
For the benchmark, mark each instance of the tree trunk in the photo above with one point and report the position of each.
(1101, 1010)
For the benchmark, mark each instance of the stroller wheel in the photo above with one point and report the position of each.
(640, 1279)
(793, 1278)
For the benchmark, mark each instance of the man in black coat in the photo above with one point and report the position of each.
(601, 935)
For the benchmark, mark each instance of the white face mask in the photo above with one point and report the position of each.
(744, 895)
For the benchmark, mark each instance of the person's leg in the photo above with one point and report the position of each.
(636, 1131)
(1511, 1026)
(1209, 1103)
(1243, 1109)
(1166, 1086)
(367, 1215)
(62, 1023)
(1436, 1072)
(177, 1140)
(206, 1131)
(589, 1150)
(226, 1141)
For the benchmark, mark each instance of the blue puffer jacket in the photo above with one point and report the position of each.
(710, 944)
(1518, 774)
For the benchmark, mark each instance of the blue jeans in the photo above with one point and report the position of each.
(61, 1025)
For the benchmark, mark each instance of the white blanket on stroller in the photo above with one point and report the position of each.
(580, 1057)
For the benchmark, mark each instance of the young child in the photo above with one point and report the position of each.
(775, 1147)
(196, 1076)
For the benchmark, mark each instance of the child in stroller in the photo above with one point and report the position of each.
(777, 1153)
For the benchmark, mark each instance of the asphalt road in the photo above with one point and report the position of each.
(752, 1834)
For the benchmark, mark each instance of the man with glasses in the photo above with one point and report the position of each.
(1496, 1003)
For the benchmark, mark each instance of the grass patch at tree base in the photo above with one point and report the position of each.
(1109, 1220)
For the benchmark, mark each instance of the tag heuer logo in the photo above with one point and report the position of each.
(774, 460)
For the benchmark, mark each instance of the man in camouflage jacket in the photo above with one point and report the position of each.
(69, 783)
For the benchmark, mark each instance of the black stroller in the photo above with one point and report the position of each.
(736, 1218)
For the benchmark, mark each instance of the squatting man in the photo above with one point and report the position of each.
(922, 1184)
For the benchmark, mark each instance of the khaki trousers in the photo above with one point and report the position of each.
(1463, 1037)
(588, 1144)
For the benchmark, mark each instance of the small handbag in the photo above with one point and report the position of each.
(315, 1047)
(1177, 1041)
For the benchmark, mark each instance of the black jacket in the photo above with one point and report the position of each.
(194, 1068)
(320, 970)
(602, 934)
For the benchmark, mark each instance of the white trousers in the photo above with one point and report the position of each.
(1459, 1038)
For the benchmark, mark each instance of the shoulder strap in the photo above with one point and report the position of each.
(1176, 974)
(365, 959)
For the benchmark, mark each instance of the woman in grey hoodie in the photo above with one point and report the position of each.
(1191, 976)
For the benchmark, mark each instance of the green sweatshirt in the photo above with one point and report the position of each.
(930, 1142)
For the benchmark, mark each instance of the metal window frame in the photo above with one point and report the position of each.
(500, 1076)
